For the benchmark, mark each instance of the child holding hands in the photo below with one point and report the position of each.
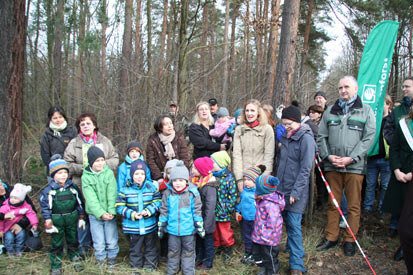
(138, 203)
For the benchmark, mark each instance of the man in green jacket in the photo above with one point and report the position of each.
(345, 134)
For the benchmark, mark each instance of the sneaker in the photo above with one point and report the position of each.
(250, 260)
(111, 262)
(343, 225)
(244, 258)
(19, 254)
(56, 271)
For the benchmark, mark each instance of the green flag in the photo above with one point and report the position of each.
(374, 71)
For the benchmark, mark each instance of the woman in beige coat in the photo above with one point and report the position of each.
(253, 141)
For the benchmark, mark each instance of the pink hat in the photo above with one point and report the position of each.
(204, 165)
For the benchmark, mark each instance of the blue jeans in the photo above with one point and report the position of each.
(14, 243)
(374, 167)
(295, 247)
(105, 238)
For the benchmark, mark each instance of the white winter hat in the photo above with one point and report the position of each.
(20, 190)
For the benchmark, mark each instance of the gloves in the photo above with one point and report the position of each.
(200, 229)
(23, 211)
(82, 224)
(161, 229)
(50, 229)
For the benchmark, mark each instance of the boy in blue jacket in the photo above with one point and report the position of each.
(138, 201)
(181, 216)
(134, 152)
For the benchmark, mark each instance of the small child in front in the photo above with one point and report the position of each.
(100, 192)
(15, 207)
(268, 224)
(181, 216)
(62, 210)
(138, 201)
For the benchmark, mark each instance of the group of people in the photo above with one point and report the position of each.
(244, 164)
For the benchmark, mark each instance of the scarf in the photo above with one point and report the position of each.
(290, 134)
(345, 105)
(253, 124)
(89, 140)
(201, 181)
(57, 129)
(180, 192)
(167, 142)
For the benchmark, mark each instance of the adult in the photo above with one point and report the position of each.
(181, 123)
(345, 134)
(76, 157)
(204, 146)
(295, 160)
(57, 136)
(320, 99)
(406, 232)
(305, 119)
(254, 142)
(214, 107)
(315, 112)
(163, 145)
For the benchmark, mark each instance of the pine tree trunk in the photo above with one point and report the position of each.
(225, 84)
(235, 13)
(163, 38)
(12, 56)
(138, 35)
(104, 23)
(204, 36)
(80, 40)
(57, 51)
(247, 49)
(182, 62)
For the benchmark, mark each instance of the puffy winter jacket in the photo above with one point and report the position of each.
(100, 191)
(51, 144)
(268, 224)
(133, 199)
(247, 205)
(181, 211)
(124, 172)
(209, 201)
(204, 146)
(226, 195)
(5, 225)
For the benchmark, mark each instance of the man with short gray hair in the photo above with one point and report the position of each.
(345, 134)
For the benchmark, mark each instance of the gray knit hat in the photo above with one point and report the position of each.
(222, 111)
(179, 171)
(170, 164)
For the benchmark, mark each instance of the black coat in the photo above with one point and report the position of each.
(52, 144)
(202, 141)
(209, 201)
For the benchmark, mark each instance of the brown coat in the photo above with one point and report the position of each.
(73, 156)
(155, 153)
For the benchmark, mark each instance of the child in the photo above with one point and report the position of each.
(226, 200)
(231, 128)
(181, 216)
(245, 211)
(206, 182)
(14, 209)
(163, 257)
(134, 152)
(99, 190)
(138, 201)
(224, 121)
(268, 224)
(62, 210)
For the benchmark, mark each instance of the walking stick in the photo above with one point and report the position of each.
(341, 213)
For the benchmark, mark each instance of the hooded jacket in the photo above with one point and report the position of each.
(226, 195)
(123, 176)
(247, 205)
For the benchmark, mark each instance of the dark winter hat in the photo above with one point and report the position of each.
(179, 172)
(138, 165)
(292, 113)
(56, 164)
(135, 145)
(320, 93)
(222, 112)
(254, 172)
(204, 165)
(212, 101)
(93, 154)
(266, 184)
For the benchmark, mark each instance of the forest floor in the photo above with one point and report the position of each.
(377, 246)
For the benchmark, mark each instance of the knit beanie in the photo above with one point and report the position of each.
(179, 172)
(221, 158)
(292, 113)
(204, 165)
(20, 190)
(237, 113)
(254, 172)
(138, 165)
(135, 145)
(320, 93)
(56, 164)
(222, 111)
(266, 184)
(93, 154)
(170, 164)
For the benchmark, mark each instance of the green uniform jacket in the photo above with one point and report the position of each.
(100, 191)
(348, 135)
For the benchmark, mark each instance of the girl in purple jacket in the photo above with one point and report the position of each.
(268, 224)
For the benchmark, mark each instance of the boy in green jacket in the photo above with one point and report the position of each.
(100, 192)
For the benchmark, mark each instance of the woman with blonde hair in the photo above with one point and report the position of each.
(203, 121)
(253, 141)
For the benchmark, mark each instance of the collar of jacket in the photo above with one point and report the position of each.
(54, 185)
(336, 110)
(303, 129)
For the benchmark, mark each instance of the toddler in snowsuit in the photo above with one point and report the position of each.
(16, 207)
(181, 216)
(268, 224)
(62, 209)
(226, 200)
(224, 121)
(138, 201)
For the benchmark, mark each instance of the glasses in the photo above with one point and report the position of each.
(288, 124)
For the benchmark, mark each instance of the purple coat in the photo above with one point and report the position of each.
(268, 225)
